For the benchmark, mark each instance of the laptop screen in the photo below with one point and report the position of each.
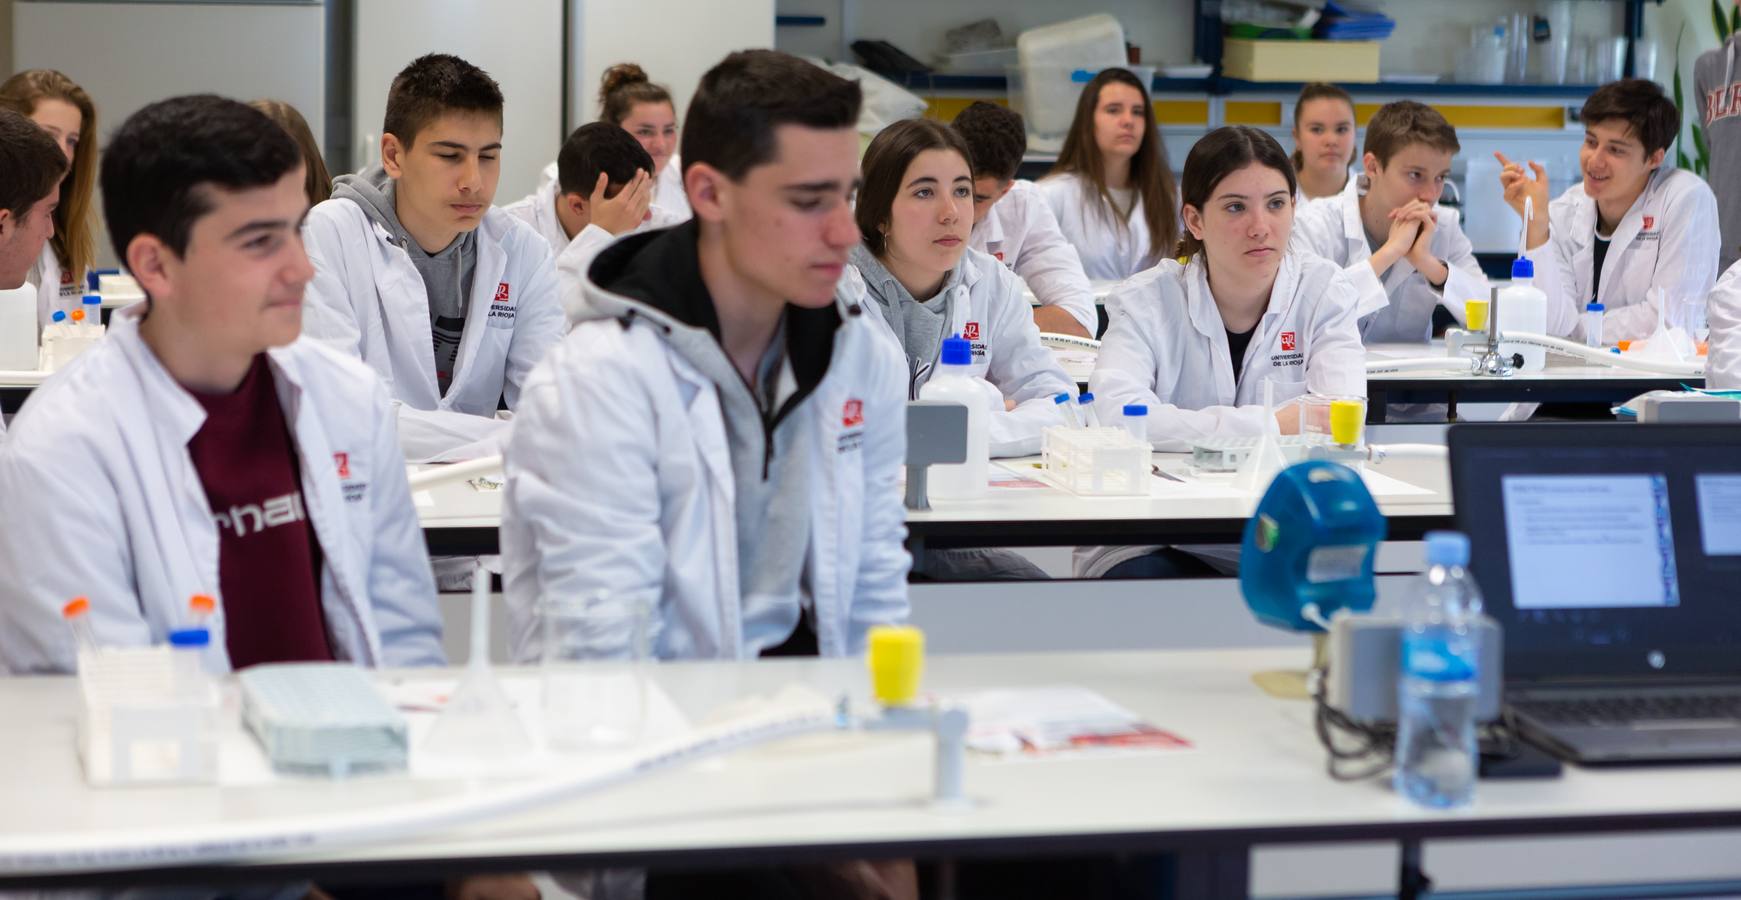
(1605, 550)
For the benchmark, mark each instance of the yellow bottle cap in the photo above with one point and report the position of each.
(896, 657)
(1346, 419)
(1475, 314)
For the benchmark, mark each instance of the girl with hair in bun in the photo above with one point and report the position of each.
(629, 100)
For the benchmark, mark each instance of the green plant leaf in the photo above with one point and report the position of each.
(1735, 20)
(1681, 161)
(1679, 97)
(1719, 22)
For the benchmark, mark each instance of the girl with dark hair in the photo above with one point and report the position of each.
(915, 270)
(1323, 140)
(1112, 189)
(628, 99)
(63, 109)
(1195, 340)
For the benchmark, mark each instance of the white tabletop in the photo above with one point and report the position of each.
(1255, 775)
(1558, 368)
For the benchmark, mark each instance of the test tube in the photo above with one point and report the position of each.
(1136, 421)
(200, 608)
(1090, 416)
(1067, 410)
(77, 613)
(93, 309)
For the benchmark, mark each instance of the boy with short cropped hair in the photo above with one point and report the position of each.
(1631, 228)
(29, 193)
(603, 190)
(202, 447)
(720, 443)
(1405, 254)
(1012, 222)
(450, 300)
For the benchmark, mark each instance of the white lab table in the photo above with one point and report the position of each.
(1562, 380)
(1254, 776)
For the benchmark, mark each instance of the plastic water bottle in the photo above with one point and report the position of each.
(1435, 741)
(1523, 307)
(1136, 421)
(1593, 324)
(954, 382)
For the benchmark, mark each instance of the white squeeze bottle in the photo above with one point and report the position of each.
(1523, 307)
(955, 382)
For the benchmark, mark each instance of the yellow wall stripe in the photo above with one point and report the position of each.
(1269, 112)
(1549, 117)
(1253, 112)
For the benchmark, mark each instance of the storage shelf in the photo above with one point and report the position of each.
(1233, 86)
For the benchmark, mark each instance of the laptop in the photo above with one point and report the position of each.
(1610, 556)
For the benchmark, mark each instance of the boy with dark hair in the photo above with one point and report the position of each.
(603, 189)
(202, 448)
(450, 300)
(1405, 254)
(1631, 227)
(720, 443)
(1012, 222)
(29, 193)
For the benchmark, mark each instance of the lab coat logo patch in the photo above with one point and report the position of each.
(1288, 342)
(501, 309)
(1649, 221)
(344, 463)
(851, 419)
(970, 331)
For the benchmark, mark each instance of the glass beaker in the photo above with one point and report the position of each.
(594, 670)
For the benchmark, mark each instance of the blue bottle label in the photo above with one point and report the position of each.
(1438, 657)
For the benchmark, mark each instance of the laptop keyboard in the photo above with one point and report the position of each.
(1604, 710)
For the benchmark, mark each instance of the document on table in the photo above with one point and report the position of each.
(1590, 541)
(1058, 722)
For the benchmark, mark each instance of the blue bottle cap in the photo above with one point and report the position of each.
(1595, 307)
(190, 637)
(957, 352)
(1447, 548)
(96, 299)
(91, 280)
(1085, 398)
(59, 316)
(1136, 409)
(1522, 267)
(1061, 399)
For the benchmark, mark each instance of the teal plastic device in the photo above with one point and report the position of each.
(1311, 542)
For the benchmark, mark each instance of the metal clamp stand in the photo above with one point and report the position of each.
(1491, 361)
(936, 435)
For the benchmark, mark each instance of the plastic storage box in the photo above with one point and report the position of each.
(1047, 58)
(1355, 61)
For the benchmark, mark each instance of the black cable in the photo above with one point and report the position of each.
(1371, 745)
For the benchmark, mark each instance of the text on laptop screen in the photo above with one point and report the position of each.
(1589, 541)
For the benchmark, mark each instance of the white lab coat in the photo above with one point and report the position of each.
(1166, 347)
(1021, 232)
(538, 209)
(51, 295)
(102, 500)
(1669, 239)
(619, 478)
(668, 196)
(1397, 308)
(368, 300)
(1108, 251)
(1723, 364)
(988, 308)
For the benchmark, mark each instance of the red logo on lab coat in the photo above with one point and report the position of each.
(1287, 340)
(502, 292)
(1649, 221)
(344, 464)
(970, 331)
(999, 255)
(852, 415)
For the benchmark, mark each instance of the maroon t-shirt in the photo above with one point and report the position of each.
(268, 556)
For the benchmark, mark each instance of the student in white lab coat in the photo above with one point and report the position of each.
(1012, 223)
(1723, 362)
(202, 448)
(28, 194)
(1404, 253)
(915, 273)
(604, 190)
(450, 300)
(630, 101)
(722, 443)
(1632, 226)
(1196, 341)
(64, 110)
(1323, 140)
(1112, 188)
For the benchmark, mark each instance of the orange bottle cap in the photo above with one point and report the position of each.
(1623, 345)
(202, 603)
(77, 315)
(76, 607)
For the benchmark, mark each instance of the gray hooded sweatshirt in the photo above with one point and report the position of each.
(919, 323)
(447, 274)
(1717, 97)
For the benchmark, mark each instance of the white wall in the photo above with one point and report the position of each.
(519, 42)
(676, 41)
